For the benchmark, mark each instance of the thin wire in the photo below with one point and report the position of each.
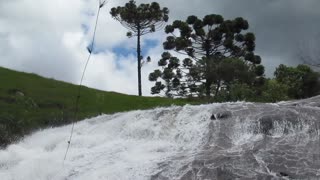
(83, 73)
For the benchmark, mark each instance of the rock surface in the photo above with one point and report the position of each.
(283, 143)
(207, 142)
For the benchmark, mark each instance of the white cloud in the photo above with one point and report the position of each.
(35, 33)
(47, 37)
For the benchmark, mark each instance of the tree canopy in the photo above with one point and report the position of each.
(211, 57)
(302, 81)
(140, 20)
(212, 47)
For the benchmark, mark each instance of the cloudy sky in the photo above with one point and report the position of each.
(49, 37)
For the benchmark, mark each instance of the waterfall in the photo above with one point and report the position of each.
(215, 141)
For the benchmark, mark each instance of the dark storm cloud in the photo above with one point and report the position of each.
(280, 26)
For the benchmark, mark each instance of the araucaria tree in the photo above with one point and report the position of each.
(140, 20)
(214, 48)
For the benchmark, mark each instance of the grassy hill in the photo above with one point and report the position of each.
(29, 102)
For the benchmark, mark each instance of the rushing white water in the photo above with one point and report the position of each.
(190, 142)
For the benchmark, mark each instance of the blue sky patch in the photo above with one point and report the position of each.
(123, 51)
(148, 44)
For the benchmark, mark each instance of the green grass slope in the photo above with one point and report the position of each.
(29, 102)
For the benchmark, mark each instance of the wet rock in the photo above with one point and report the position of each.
(158, 176)
(283, 174)
(188, 176)
(206, 173)
(197, 164)
(224, 173)
(266, 125)
(221, 115)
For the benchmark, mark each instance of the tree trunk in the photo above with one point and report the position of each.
(217, 89)
(139, 62)
(208, 79)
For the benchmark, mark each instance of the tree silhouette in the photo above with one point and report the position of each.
(206, 42)
(140, 20)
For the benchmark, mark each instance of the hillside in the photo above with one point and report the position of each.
(29, 102)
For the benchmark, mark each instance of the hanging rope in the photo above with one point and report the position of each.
(90, 50)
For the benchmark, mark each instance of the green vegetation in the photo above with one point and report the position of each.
(140, 20)
(289, 83)
(301, 81)
(218, 53)
(29, 102)
(220, 65)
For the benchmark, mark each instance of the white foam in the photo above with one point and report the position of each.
(123, 146)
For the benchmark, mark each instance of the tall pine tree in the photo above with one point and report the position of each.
(140, 20)
(207, 43)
